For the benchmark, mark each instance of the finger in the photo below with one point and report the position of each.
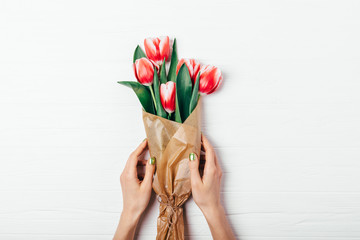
(218, 167)
(133, 159)
(141, 148)
(209, 153)
(194, 169)
(149, 173)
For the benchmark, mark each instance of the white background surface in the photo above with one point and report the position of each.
(285, 123)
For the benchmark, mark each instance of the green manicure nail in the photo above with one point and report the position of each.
(192, 156)
(144, 139)
(152, 160)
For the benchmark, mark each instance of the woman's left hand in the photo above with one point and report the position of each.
(136, 193)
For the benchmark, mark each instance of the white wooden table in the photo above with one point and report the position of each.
(285, 124)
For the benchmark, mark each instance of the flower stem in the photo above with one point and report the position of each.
(169, 117)
(153, 97)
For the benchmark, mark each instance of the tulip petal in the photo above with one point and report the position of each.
(210, 79)
(144, 71)
(164, 47)
(167, 95)
(157, 49)
(219, 81)
(150, 49)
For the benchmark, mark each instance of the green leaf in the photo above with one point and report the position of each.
(163, 73)
(143, 95)
(160, 110)
(195, 94)
(183, 91)
(139, 53)
(173, 64)
(177, 111)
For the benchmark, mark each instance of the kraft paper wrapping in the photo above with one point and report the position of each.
(171, 143)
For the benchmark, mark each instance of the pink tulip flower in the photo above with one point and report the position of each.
(192, 65)
(144, 71)
(167, 96)
(210, 79)
(157, 49)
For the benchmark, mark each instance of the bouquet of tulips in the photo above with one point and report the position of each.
(171, 116)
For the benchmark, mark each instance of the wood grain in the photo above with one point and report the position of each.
(285, 123)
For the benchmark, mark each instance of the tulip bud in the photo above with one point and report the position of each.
(157, 49)
(210, 79)
(192, 65)
(167, 96)
(144, 71)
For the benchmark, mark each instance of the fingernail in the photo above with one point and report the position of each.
(192, 156)
(144, 139)
(152, 160)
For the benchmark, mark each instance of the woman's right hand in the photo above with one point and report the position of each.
(206, 191)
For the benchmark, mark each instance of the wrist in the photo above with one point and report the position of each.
(130, 218)
(218, 223)
(127, 226)
(213, 213)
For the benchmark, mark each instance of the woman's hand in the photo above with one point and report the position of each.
(206, 192)
(136, 193)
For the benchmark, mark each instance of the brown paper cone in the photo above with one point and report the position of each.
(171, 143)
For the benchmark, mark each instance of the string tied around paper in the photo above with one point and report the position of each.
(169, 202)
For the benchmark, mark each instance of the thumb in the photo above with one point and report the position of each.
(194, 168)
(149, 172)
